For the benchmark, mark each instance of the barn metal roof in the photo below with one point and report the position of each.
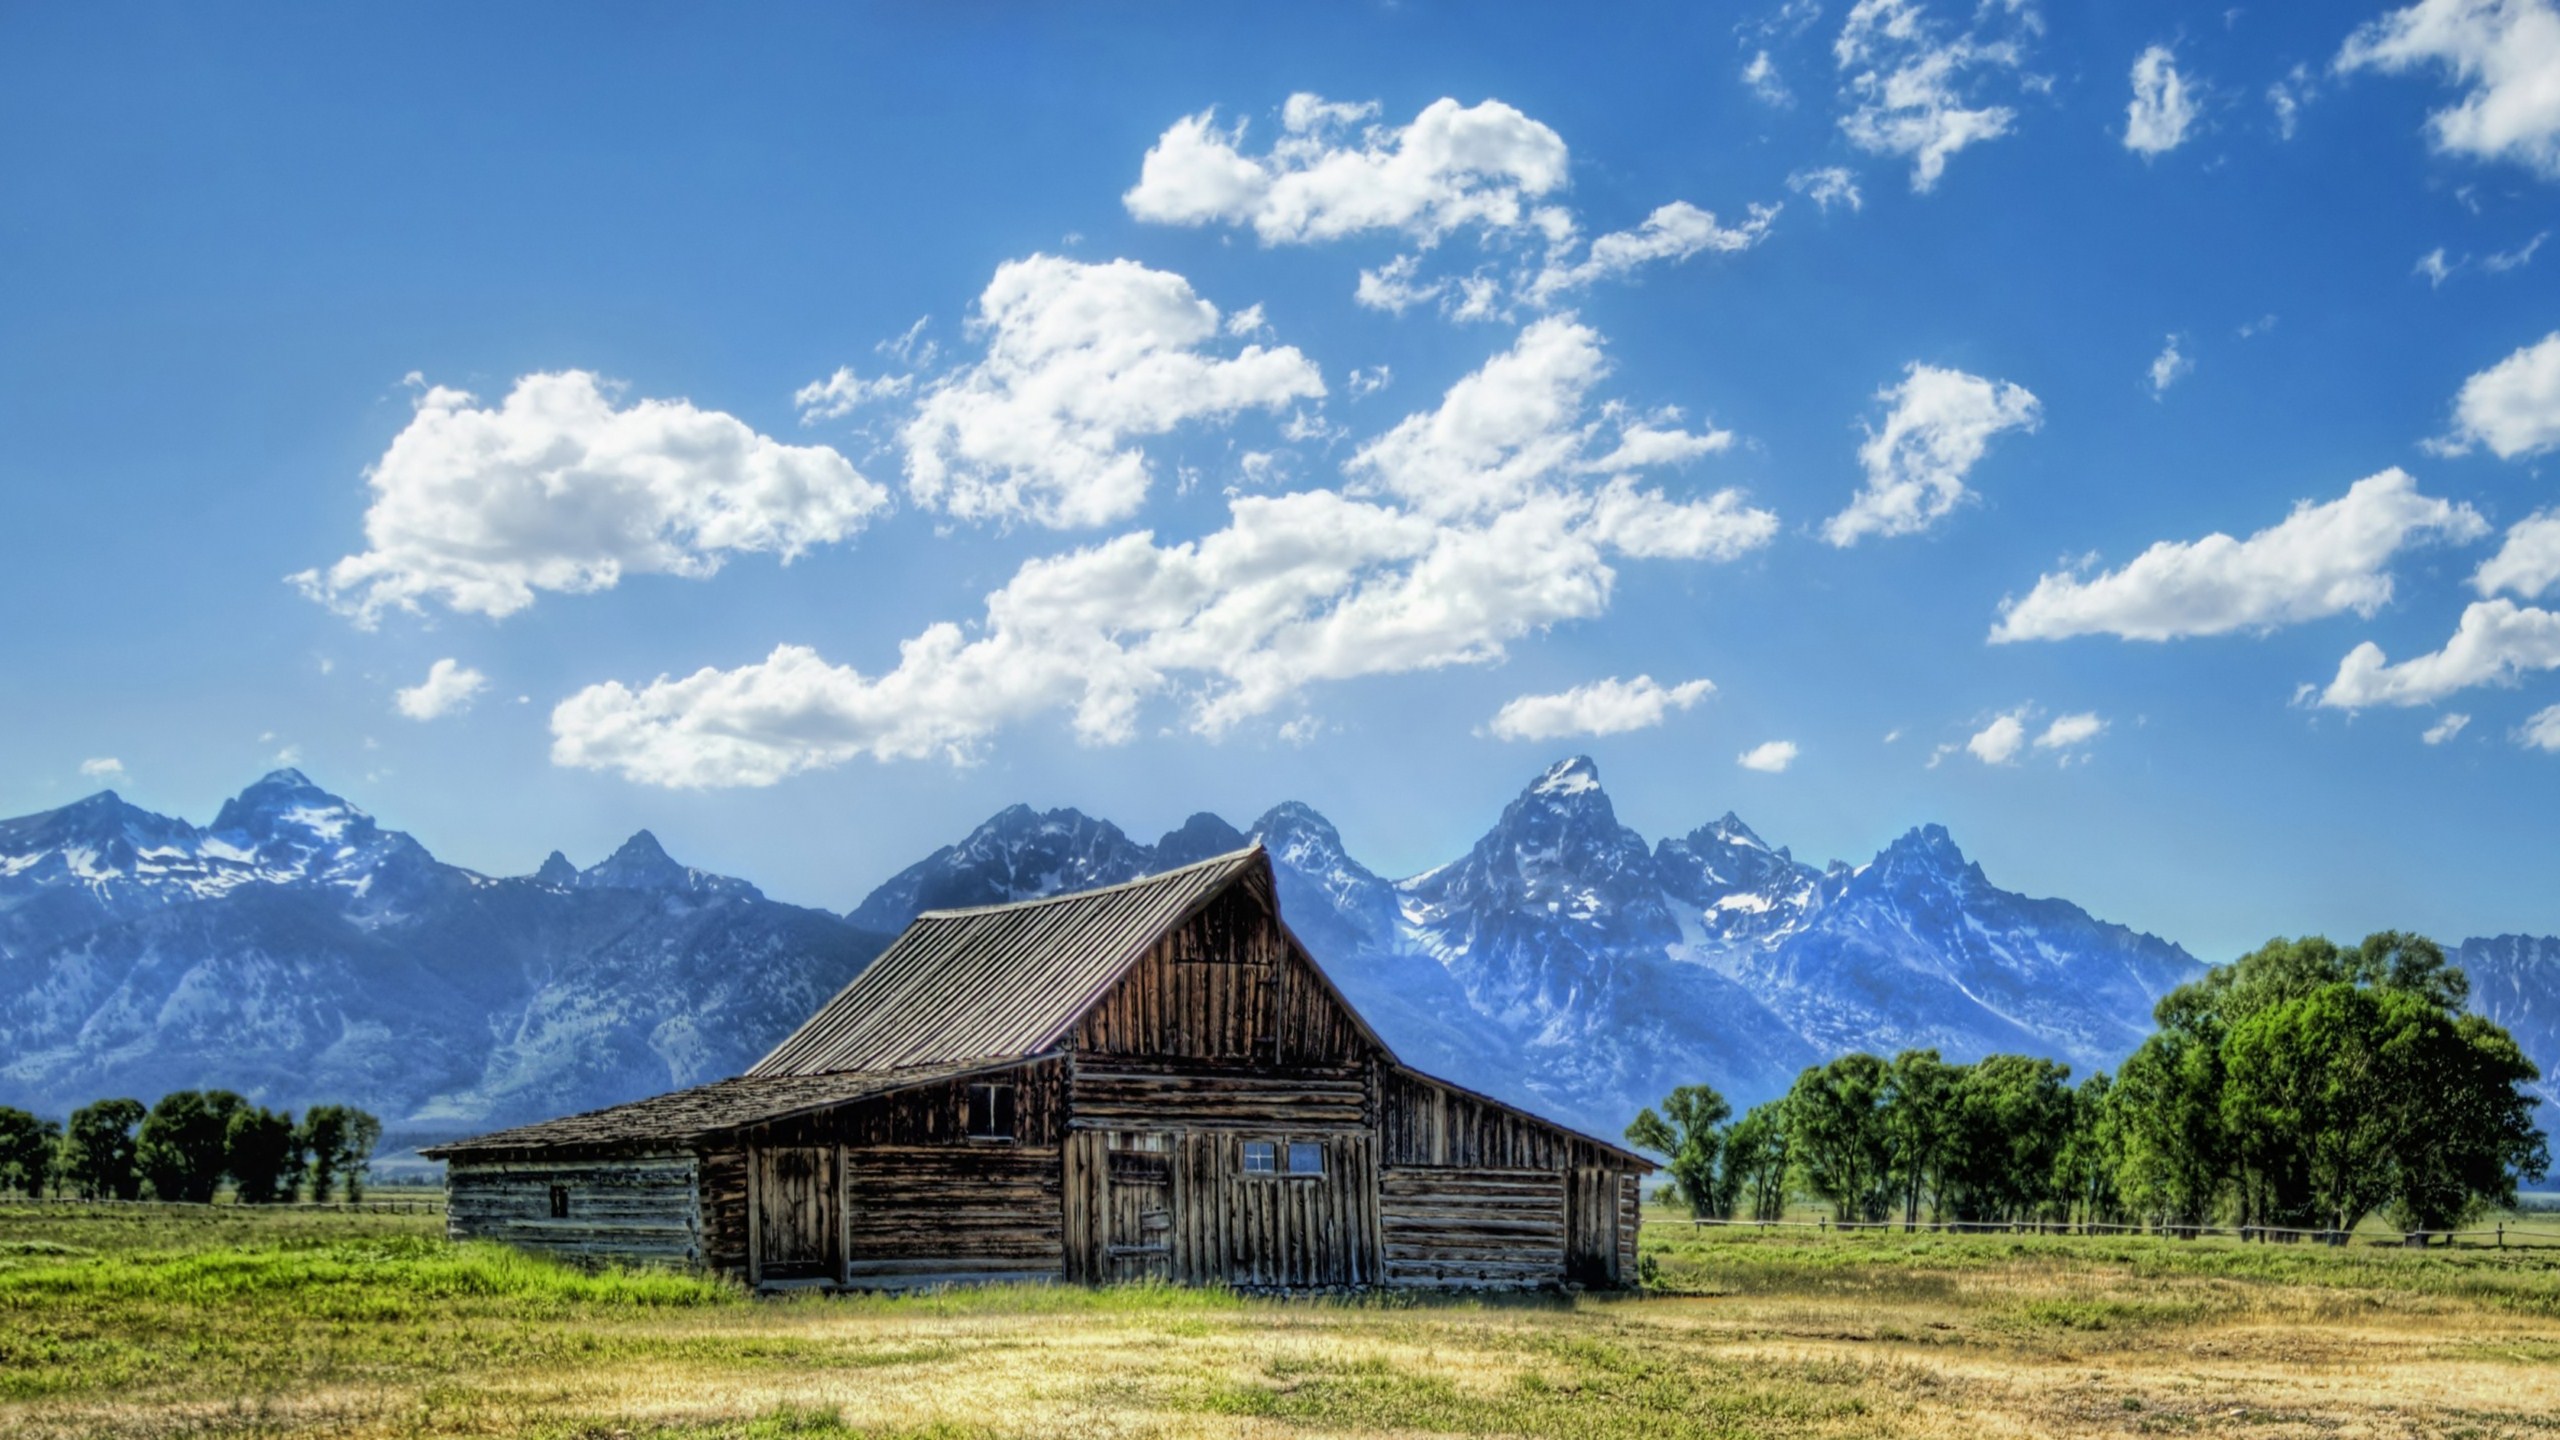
(686, 1116)
(999, 979)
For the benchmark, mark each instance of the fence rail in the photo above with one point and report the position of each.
(404, 1205)
(2503, 1235)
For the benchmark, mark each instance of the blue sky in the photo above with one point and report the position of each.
(1208, 447)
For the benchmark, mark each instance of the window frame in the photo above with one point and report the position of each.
(1290, 1152)
(559, 1202)
(1270, 1155)
(1003, 1113)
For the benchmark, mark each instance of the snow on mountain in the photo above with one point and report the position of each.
(1019, 854)
(297, 951)
(1566, 963)
(2515, 981)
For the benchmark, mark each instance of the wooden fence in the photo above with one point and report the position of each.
(2502, 1235)
(393, 1205)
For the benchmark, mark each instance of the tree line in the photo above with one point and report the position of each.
(185, 1147)
(2306, 1085)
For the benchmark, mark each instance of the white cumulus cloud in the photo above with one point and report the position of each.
(844, 392)
(1453, 166)
(2068, 731)
(1770, 757)
(1603, 707)
(1939, 424)
(2505, 56)
(1999, 742)
(2169, 367)
(2320, 560)
(2446, 727)
(1334, 171)
(1464, 528)
(2513, 407)
(1914, 85)
(2496, 642)
(1673, 232)
(556, 489)
(103, 767)
(1761, 74)
(2162, 112)
(1827, 186)
(2528, 563)
(1081, 359)
(448, 688)
(2542, 730)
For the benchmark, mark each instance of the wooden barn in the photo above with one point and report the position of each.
(1148, 1081)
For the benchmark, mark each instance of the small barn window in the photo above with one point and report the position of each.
(1306, 1157)
(559, 1202)
(1143, 1142)
(990, 1112)
(1261, 1157)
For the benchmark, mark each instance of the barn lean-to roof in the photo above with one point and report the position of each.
(1000, 979)
(684, 1117)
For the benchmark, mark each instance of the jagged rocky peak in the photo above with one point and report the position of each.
(556, 872)
(286, 802)
(1563, 825)
(1559, 852)
(97, 841)
(644, 864)
(1018, 854)
(1318, 878)
(1725, 856)
(1926, 854)
(1197, 838)
(1578, 775)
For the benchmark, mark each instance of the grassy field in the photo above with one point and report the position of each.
(141, 1322)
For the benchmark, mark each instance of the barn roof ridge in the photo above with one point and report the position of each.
(1000, 979)
(1153, 877)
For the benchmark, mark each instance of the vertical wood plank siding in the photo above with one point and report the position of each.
(638, 1211)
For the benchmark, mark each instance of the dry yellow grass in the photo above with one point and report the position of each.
(1976, 1338)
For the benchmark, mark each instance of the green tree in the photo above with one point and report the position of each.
(2465, 1122)
(2085, 1171)
(263, 1150)
(1918, 1120)
(1836, 1135)
(2011, 1117)
(1756, 1162)
(340, 1139)
(2165, 1114)
(1688, 1132)
(185, 1142)
(98, 1151)
(27, 1147)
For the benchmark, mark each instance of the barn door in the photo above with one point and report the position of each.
(797, 1231)
(1591, 1226)
(1139, 1206)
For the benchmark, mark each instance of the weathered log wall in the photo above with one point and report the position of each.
(937, 1214)
(923, 1202)
(1456, 1228)
(627, 1211)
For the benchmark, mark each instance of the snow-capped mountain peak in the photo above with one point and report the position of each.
(1574, 776)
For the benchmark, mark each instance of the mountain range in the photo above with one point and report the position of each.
(296, 951)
